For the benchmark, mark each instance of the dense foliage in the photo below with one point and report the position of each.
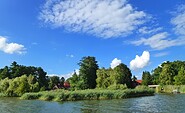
(146, 78)
(18, 79)
(119, 75)
(87, 74)
(169, 73)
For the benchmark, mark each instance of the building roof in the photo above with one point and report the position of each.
(139, 81)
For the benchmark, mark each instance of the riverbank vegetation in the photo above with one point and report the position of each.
(88, 94)
(16, 80)
(168, 73)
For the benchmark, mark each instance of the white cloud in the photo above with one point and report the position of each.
(70, 55)
(10, 48)
(161, 54)
(147, 30)
(103, 18)
(140, 61)
(160, 41)
(179, 20)
(66, 76)
(115, 63)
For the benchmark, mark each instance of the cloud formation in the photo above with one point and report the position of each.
(115, 63)
(148, 30)
(160, 41)
(140, 61)
(102, 18)
(10, 48)
(179, 20)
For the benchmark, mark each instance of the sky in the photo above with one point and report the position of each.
(56, 34)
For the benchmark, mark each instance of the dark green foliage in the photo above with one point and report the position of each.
(146, 78)
(122, 75)
(180, 78)
(54, 80)
(169, 73)
(119, 75)
(88, 66)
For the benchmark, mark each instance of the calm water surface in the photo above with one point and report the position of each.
(159, 103)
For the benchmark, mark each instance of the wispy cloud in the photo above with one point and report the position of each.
(161, 54)
(10, 48)
(115, 63)
(179, 20)
(149, 30)
(102, 18)
(160, 41)
(70, 55)
(140, 61)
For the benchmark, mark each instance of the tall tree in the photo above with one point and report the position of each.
(167, 75)
(103, 78)
(122, 75)
(146, 78)
(88, 66)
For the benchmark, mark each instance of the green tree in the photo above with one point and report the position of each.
(146, 78)
(88, 66)
(155, 75)
(74, 81)
(103, 78)
(54, 80)
(122, 75)
(167, 75)
(4, 73)
(180, 78)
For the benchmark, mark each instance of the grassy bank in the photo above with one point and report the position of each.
(91, 94)
(170, 88)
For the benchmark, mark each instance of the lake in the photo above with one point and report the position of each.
(160, 103)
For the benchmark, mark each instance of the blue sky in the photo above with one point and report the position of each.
(56, 34)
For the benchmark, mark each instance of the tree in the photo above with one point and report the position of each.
(122, 75)
(4, 73)
(167, 75)
(155, 75)
(88, 66)
(54, 80)
(180, 78)
(74, 81)
(103, 78)
(146, 78)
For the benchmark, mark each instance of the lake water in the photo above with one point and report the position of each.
(159, 103)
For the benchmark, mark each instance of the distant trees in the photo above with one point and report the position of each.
(169, 73)
(119, 75)
(16, 70)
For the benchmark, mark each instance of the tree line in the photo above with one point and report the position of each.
(17, 79)
(91, 76)
(168, 73)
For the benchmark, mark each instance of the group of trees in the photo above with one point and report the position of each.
(168, 73)
(119, 75)
(90, 76)
(18, 79)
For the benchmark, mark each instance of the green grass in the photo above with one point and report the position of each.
(90, 94)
